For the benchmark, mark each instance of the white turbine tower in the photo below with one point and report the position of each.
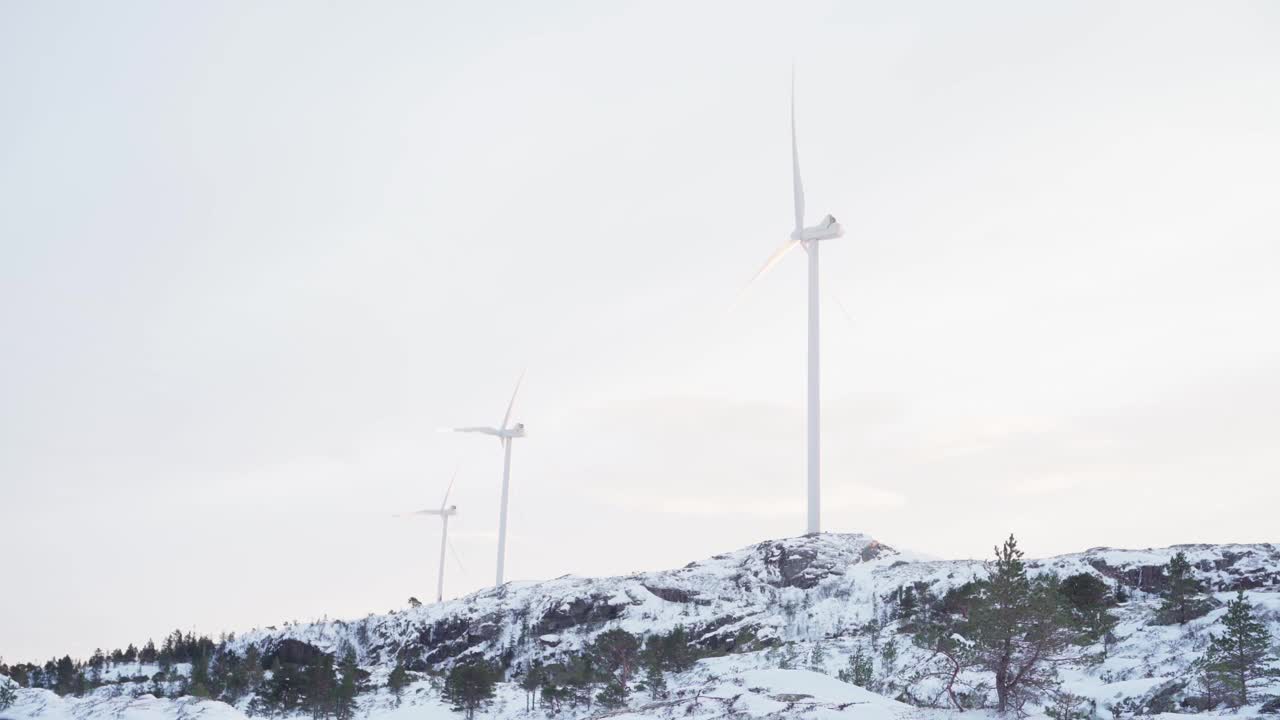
(808, 238)
(505, 435)
(445, 512)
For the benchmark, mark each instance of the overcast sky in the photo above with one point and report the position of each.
(253, 256)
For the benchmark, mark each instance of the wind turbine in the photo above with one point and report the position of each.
(807, 238)
(445, 512)
(505, 435)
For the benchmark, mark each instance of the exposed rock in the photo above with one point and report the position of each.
(675, 595)
(294, 652)
(1164, 697)
(794, 565)
(579, 611)
(1147, 578)
(451, 637)
(874, 550)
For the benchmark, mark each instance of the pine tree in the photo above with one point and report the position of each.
(285, 691)
(321, 688)
(655, 681)
(1018, 630)
(1182, 601)
(344, 705)
(1086, 600)
(8, 693)
(252, 668)
(531, 682)
(1239, 657)
(818, 658)
(613, 696)
(147, 654)
(200, 676)
(888, 667)
(617, 652)
(398, 680)
(580, 678)
(470, 686)
(860, 671)
(228, 678)
(65, 676)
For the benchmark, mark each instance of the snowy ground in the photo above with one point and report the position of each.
(810, 596)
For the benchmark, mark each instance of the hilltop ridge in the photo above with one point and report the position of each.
(814, 600)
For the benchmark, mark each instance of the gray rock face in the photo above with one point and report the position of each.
(796, 566)
(670, 594)
(294, 652)
(450, 638)
(1147, 578)
(594, 609)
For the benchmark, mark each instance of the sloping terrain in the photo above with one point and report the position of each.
(779, 620)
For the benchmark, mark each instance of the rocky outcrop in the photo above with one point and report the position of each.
(670, 594)
(450, 638)
(294, 652)
(590, 610)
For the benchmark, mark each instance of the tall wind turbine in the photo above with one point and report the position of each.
(808, 238)
(445, 512)
(505, 435)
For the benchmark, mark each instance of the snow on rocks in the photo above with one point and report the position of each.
(805, 593)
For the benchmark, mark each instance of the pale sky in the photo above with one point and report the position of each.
(253, 256)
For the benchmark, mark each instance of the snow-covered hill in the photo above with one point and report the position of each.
(765, 611)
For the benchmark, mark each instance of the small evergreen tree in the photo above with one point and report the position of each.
(65, 676)
(200, 676)
(580, 679)
(470, 686)
(344, 704)
(888, 667)
(818, 658)
(613, 696)
(1182, 601)
(321, 689)
(616, 652)
(655, 681)
(253, 670)
(1086, 600)
(1018, 630)
(398, 680)
(861, 671)
(531, 683)
(8, 693)
(1239, 657)
(286, 690)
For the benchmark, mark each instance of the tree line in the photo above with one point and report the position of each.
(1012, 627)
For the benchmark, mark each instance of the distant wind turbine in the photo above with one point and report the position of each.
(505, 435)
(445, 512)
(808, 238)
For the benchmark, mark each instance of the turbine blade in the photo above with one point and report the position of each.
(419, 512)
(485, 430)
(797, 185)
(448, 489)
(507, 418)
(457, 559)
(774, 259)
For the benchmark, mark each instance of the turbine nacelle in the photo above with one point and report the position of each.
(828, 229)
